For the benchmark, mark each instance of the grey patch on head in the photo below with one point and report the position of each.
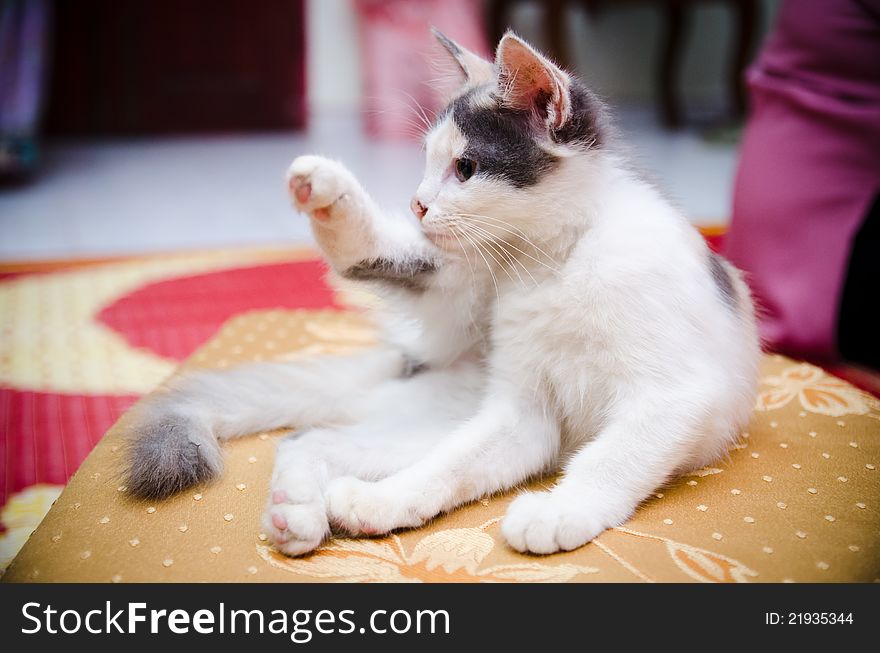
(588, 125)
(502, 142)
(722, 278)
(412, 274)
(505, 143)
(168, 453)
(411, 367)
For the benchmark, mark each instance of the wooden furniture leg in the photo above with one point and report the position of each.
(670, 57)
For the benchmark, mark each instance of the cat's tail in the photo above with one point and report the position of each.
(169, 449)
(173, 436)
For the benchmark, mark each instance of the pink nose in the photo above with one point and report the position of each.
(418, 208)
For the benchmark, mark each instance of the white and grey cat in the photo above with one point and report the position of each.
(543, 310)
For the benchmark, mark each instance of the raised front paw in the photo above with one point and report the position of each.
(296, 522)
(543, 522)
(319, 186)
(363, 508)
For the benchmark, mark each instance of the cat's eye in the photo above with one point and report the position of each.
(464, 169)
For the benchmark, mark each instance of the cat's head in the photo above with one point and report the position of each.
(503, 149)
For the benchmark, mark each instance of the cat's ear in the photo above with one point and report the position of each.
(470, 69)
(531, 82)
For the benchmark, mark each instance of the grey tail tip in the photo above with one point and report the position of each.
(154, 474)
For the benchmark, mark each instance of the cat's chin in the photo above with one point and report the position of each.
(443, 240)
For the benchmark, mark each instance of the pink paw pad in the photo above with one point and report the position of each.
(279, 522)
(279, 496)
(321, 214)
(302, 191)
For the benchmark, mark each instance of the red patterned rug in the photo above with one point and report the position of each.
(82, 340)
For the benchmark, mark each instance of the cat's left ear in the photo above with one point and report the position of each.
(471, 69)
(531, 82)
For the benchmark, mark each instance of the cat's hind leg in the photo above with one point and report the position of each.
(296, 515)
(405, 420)
(174, 434)
(506, 441)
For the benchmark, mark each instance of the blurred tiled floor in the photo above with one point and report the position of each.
(119, 197)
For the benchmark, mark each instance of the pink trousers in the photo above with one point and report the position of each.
(809, 167)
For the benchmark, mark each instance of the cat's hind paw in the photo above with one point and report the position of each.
(296, 528)
(541, 522)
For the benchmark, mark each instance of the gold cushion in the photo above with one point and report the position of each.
(797, 499)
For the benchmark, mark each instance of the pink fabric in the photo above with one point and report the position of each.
(809, 166)
(397, 50)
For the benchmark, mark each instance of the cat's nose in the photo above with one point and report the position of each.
(418, 208)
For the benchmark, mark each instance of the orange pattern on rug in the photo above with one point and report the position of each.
(83, 340)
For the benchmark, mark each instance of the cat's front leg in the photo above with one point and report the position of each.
(345, 221)
(508, 441)
(604, 482)
(559, 520)
(339, 208)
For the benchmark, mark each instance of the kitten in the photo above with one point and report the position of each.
(543, 310)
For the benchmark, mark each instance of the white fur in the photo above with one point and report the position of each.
(612, 357)
(573, 326)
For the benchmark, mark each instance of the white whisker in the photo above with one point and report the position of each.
(423, 123)
(524, 253)
(421, 109)
(504, 226)
(509, 256)
(478, 249)
(510, 228)
(452, 230)
(489, 252)
(488, 239)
